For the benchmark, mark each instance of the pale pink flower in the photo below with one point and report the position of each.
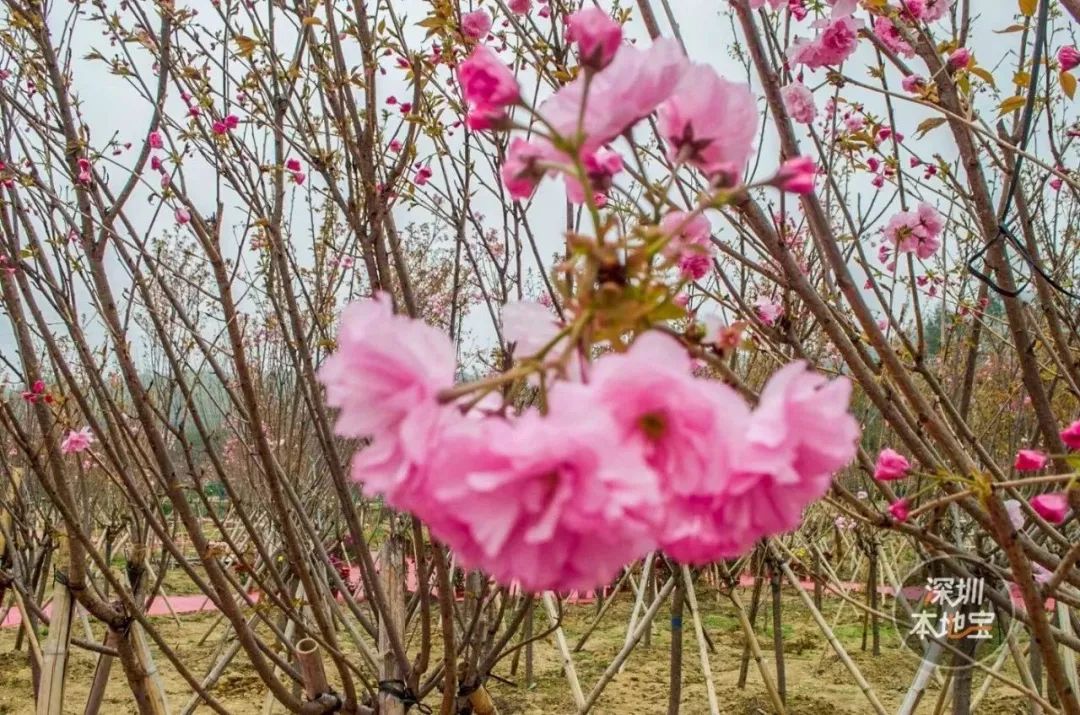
(1053, 507)
(689, 246)
(522, 170)
(799, 435)
(768, 310)
(935, 9)
(1030, 460)
(628, 89)
(834, 44)
(710, 122)
(1071, 435)
(475, 25)
(529, 326)
(77, 441)
(596, 35)
(554, 503)
(916, 231)
(900, 510)
(181, 215)
(774, 4)
(799, 102)
(891, 465)
(1068, 58)
(488, 86)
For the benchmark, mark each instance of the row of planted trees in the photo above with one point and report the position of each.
(621, 226)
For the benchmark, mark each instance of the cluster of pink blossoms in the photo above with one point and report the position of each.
(916, 231)
(706, 121)
(637, 454)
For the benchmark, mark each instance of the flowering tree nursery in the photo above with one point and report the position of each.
(539, 356)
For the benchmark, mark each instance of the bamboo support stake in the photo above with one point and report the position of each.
(613, 668)
(50, 697)
(1068, 657)
(699, 634)
(755, 651)
(157, 703)
(864, 686)
(101, 676)
(311, 668)
(640, 600)
(564, 651)
(603, 610)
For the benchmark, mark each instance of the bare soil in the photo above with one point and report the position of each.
(817, 681)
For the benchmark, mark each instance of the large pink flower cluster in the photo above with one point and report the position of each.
(916, 231)
(640, 455)
(706, 120)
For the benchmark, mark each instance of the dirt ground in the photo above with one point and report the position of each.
(817, 682)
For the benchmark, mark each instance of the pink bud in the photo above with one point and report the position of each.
(182, 216)
(596, 35)
(900, 510)
(1029, 460)
(1052, 507)
(154, 140)
(1068, 57)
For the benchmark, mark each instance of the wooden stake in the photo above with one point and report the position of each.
(699, 632)
(564, 651)
(50, 697)
(391, 576)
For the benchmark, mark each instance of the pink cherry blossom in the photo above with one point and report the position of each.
(522, 170)
(799, 102)
(799, 435)
(154, 140)
(475, 25)
(796, 175)
(386, 367)
(596, 35)
(1030, 460)
(960, 58)
(687, 429)
(423, 175)
(552, 503)
(900, 510)
(768, 311)
(1068, 58)
(182, 215)
(834, 44)
(601, 166)
(890, 36)
(688, 244)
(1071, 435)
(520, 6)
(916, 231)
(488, 86)
(84, 171)
(77, 441)
(913, 83)
(1052, 507)
(710, 122)
(934, 10)
(630, 88)
(891, 465)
